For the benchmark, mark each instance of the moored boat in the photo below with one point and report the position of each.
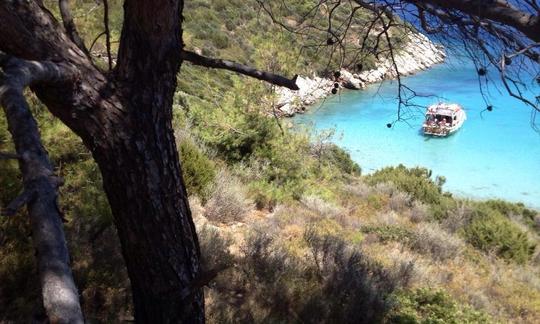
(443, 119)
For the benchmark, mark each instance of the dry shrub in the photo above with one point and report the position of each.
(355, 288)
(458, 217)
(360, 190)
(419, 212)
(387, 218)
(284, 215)
(321, 207)
(404, 259)
(214, 248)
(197, 211)
(399, 201)
(228, 202)
(432, 239)
(333, 283)
(384, 188)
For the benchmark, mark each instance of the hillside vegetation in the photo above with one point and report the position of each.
(291, 228)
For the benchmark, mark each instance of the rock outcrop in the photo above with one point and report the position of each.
(418, 54)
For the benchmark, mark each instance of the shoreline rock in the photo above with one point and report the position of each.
(419, 54)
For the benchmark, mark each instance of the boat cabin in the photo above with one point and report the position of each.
(443, 119)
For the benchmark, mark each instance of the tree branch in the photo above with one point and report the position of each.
(60, 296)
(275, 79)
(496, 10)
(69, 25)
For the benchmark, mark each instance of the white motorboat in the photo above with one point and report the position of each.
(443, 119)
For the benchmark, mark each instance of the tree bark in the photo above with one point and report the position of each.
(60, 296)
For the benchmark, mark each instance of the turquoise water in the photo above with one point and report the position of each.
(494, 155)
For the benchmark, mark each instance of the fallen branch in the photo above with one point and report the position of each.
(272, 78)
(60, 296)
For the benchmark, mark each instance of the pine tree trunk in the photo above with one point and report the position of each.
(144, 185)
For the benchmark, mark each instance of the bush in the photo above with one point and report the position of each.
(512, 210)
(490, 231)
(227, 202)
(355, 289)
(415, 181)
(425, 305)
(252, 134)
(419, 212)
(431, 239)
(390, 233)
(199, 171)
(337, 157)
(214, 249)
(399, 201)
(321, 207)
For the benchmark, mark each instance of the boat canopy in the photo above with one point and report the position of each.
(443, 109)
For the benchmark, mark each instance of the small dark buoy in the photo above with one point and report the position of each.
(336, 85)
(334, 91)
(507, 60)
(359, 66)
(489, 108)
(389, 125)
(330, 41)
(337, 74)
(482, 71)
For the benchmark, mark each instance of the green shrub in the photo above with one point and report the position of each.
(440, 211)
(490, 231)
(425, 305)
(513, 210)
(198, 170)
(337, 157)
(252, 134)
(415, 181)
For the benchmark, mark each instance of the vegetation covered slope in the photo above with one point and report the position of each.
(292, 229)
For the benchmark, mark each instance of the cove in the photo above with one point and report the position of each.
(494, 155)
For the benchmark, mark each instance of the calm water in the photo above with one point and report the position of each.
(494, 155)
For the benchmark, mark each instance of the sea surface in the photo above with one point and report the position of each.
(494, 155)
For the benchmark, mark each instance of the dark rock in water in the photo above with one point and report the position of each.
(334, 91)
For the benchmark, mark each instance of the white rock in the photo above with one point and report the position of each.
(418, 54)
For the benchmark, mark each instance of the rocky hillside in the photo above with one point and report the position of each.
(417, 54)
